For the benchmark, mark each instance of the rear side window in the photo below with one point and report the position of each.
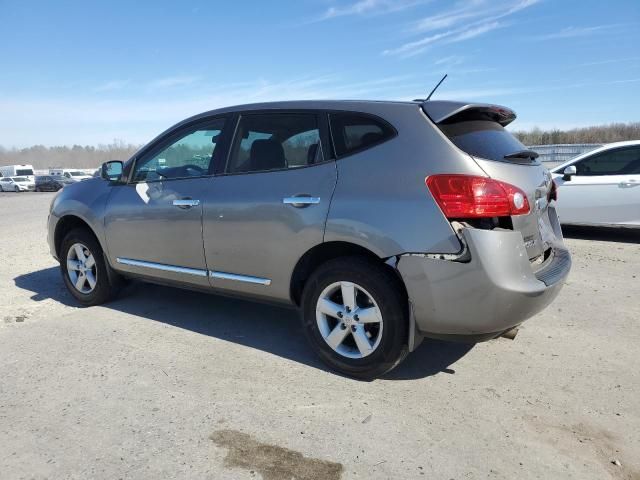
(482, 138)
(353, 132)
(615, 162)
(276, 141)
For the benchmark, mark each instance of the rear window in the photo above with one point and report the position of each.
(353, 132)
(483, 138)
(19, 179)
(24, 171)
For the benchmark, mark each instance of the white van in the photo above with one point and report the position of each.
(18, 171)
(70, 173)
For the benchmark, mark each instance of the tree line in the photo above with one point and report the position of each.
(614, 132)
(76, 156)
(89, 156)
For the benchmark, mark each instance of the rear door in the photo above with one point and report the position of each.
(604, 191)
(153, 223)
(270, 204)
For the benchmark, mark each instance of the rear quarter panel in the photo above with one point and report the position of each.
(381, 201)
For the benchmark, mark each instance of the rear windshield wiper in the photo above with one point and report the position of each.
(523, 154)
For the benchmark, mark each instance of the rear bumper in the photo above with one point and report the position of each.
(495, 290)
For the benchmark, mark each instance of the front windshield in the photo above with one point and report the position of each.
(24, 171)
(77, 174)
(20, 179)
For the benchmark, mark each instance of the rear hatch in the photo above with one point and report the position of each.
(478, 130)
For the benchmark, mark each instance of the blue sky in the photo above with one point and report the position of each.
(89, 72)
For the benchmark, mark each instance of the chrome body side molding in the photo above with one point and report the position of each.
(194, 271)
(159, 266)
(240, 278)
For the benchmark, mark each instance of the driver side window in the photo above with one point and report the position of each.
(189, 156)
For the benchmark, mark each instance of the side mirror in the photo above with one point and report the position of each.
(569, 172)
(112, 170)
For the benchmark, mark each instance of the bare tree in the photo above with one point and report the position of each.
(614, 132)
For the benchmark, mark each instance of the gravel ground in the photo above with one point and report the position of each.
(166, 383)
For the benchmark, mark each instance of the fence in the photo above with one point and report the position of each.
(560, 153)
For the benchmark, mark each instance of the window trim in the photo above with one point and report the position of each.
(323, 128)
(166, 139)
(361, 114)
(606, 152)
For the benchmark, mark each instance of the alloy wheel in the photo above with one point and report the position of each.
(349, 320)
(81, 268)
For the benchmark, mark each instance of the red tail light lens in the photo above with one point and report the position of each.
(469, 196)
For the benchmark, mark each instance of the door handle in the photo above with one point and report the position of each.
(301, 202)
(186, 203)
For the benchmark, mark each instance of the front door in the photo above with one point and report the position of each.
(604, 191)
(270, 205)
(153, 223)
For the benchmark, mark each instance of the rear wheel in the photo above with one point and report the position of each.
(355, 317)
(84, 269)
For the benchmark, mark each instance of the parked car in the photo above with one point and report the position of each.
(601, 187)
(17, 171)
(16, 184)
(71, 174)
(383, 222)
(51, 183)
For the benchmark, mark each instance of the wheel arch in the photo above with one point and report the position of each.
(323, 252)
(67, 223)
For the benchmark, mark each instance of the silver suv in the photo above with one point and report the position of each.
(384, 222)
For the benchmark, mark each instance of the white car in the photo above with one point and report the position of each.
(16, 184)
(601, 187)
(73, 175)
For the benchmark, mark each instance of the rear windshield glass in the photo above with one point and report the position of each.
(24, 171)
(483, 138)
(19, 179)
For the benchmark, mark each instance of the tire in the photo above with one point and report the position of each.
(104, 286)
(37, 189)
(375, 287)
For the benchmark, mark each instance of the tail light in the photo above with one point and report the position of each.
(469, 196)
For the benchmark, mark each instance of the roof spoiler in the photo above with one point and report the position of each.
(440, 111)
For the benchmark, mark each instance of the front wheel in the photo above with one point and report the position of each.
(355, 316)
(84, 269)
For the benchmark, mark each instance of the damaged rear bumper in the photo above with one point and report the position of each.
(493, 289)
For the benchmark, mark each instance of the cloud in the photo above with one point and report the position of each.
(368, 7)
(171, 82)
(59, 121)
(473, 19)
(111, 86)
(572, 32)
(608, 61)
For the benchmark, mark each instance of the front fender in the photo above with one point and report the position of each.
(86, 200)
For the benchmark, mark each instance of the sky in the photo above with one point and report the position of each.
(89, 72)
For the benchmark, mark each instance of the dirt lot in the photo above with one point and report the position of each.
(172, 384)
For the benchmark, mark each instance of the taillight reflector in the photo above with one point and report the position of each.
(470, 196)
